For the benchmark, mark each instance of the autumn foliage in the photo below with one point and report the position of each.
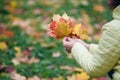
(64, 26)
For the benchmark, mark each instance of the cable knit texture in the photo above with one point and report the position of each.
(104, 56)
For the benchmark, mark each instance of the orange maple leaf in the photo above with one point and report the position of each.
(61, 27)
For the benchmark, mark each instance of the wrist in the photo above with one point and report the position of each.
(85, 44)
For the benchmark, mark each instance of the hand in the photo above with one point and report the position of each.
(68, 43)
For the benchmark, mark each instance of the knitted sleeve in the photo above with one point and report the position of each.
(100, 58)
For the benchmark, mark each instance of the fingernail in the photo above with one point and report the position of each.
(67, 39)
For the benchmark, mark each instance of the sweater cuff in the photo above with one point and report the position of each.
(78, 51)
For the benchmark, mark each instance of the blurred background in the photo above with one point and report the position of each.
(28, 53)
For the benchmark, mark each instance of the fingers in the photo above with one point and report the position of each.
(67, 39)
(67, 43)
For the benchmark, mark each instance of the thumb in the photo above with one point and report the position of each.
(68, 39)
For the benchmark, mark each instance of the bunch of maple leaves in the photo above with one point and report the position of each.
(64, 26)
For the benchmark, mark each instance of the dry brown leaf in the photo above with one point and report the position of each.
(33, 60)
(23, 59)
(34, 78)
(56, 54)
(15, 61)
(99, 8)
(73, 77)
(3, 28)
(16, 76)
(66, 68)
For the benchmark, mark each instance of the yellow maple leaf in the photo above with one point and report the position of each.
(3, 46)
(18, 51)
(62, 29)
(80, 32)
(82, 76)
(13, 4)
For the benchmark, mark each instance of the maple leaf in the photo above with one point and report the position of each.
(26, 52)
(60, 26)
(56, 54)
(94, 79)
(24, 59)
(34, 78)
(59, 29)
(73, 77)
(66, 68)
(9, 34)
(99, 8)
(56, 17)
(16, 76)
(62, 29)
(18, 51)
(15, 61)
(3, 28)
(65, 16)
(9, 69)
(33, 60)
(78, 70)
(102, 78)
(82, 76)
(3, 46)
(80, 32)
(37, 35)
(13, 4)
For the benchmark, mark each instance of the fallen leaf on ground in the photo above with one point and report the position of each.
(56, 54)
(59, 78)
(16, 76)
(82, 76)
(3, 46)
(66, 68)
(34, 78)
